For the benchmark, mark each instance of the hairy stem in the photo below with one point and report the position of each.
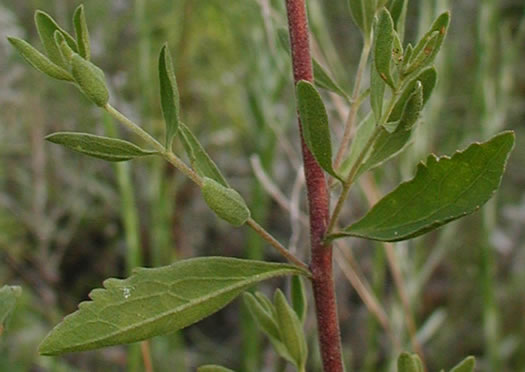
(318, 203)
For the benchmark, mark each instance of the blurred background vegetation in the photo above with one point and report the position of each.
(67, 222)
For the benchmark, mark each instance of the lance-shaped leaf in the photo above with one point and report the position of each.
(111, 149)
(377, 92)
(8, 296)
(225, 202)
(396, 8)
(291, 330)
(65, 50)
(157, 301)
(409, 363)
(298, 295)
(39, 61)
(82, 32)
(467, 365)
(411, 109)
(429, 46)
(213, 368)
(384, 35)
(363, 14)
(444, 189)
(169, 95)
(46, 27)
(314, 120)
(199, 158)
(90, 79)
(322, 77)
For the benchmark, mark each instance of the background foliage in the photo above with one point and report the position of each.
(67, 221)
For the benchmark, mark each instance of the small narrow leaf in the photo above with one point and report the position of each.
(213, 368)
(65, 50)
(357, 12)
(111, 149)
(364, 132)
(157, 301)
(377, 92)
(8, 296)
(82, 32)
(298, 295)
(408, 363)
(396, 8)
(384, 34)
(225, 202)
(262, 316)
(199, 158)
(430, 44)
(467, 365)
(291, 330)
(39, 61)
(169, 95)
(46, 27)
(322, 77)
(411, 110)
(442, 190)
(314, 120)
(89, 79)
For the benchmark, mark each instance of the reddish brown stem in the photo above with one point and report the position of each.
(318, 203)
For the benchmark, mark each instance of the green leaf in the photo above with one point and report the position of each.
(8, 296)
(65, 50)
(111, 149)
(314, 120)
(467, 365)
(82, 32)
(291, 330)
(157, 301)
(396, 8)
(213, 368)
(429, 46)
(443, 190)
(411, 109)
(409, 363)
(225, 202)
(39, 61)
(90, 80)
(377, 92)
(299, 301)
(384, 34)
(169, 95)
(363, 12)
(199, 158)
(321, 76)
(46, 27)
(364, 132)
(262, 315)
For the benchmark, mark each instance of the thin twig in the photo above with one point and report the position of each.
(146, 356)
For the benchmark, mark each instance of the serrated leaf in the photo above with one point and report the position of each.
(314, 121)
(467, 365)
(409, 363)
(157, 301)
(46, 27)
(227, 203)
(199, 158)
(39, 61)
(82, 32)
(111, 149)
(384, 35)
(169, 95)
(213, 368)
(291, 330)
(90, 79)
(8, 296)
(298, 295)
(443, 189)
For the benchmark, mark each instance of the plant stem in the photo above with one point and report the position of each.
(318, 203)
(354, 107)
(180, 165)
